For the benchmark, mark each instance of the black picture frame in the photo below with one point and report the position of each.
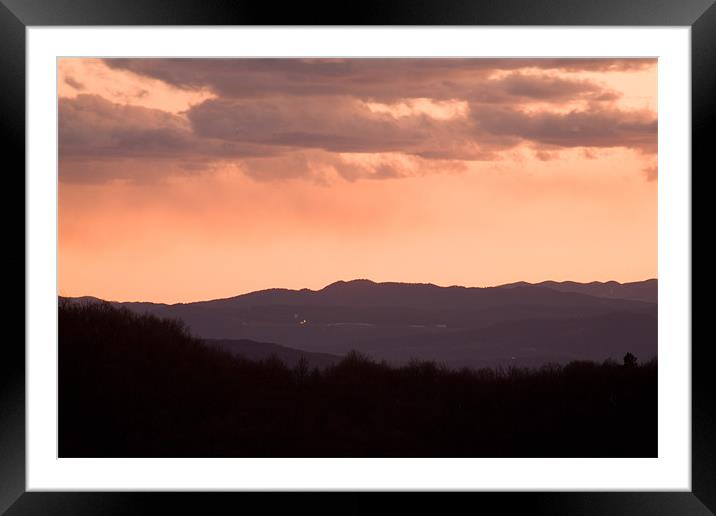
(16, 15)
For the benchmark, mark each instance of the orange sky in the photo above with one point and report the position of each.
(184, 180)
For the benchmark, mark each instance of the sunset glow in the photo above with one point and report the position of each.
(192, 179)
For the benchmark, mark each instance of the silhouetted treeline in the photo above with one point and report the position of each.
(138, 386)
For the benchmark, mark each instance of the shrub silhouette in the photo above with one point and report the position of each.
(138, 386)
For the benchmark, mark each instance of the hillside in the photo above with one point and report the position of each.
(263, 350)
(138, 386)
(458, 326)
(646, 291)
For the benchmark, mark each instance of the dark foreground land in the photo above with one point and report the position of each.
(138, 386)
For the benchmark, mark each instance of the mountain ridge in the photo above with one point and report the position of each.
(551, 284)
(460, 325)
(560, 286)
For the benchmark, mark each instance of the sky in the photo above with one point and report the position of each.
(193, 179)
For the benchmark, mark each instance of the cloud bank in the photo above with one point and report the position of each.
(276, 119)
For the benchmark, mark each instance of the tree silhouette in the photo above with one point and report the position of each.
(629, 360)
(135, 385)
(302, 368)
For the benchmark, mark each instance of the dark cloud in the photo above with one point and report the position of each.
(280, 118)
(593, 127)
(376, 79)
(338, 124)
(520, 87)
(335, 124)
(93, 127)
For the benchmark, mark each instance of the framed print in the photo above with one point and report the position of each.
(414, 249)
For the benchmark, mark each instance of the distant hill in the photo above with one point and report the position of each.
(519, 323)
(647, 290)
(530, 342)
(262, 350)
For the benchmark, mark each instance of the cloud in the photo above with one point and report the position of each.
(594, 127)
(520, 87)
(92, 127)
(336, 124)
(544, 155)
(652, 173)
(375, 79)
(324, 167)
(251, 130)
(71, 81)
(278, 119)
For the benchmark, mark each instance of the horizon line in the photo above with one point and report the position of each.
(357, 280)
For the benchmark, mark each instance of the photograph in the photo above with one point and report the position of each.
(357, 257)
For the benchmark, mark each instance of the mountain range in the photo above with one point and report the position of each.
(518, 323)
